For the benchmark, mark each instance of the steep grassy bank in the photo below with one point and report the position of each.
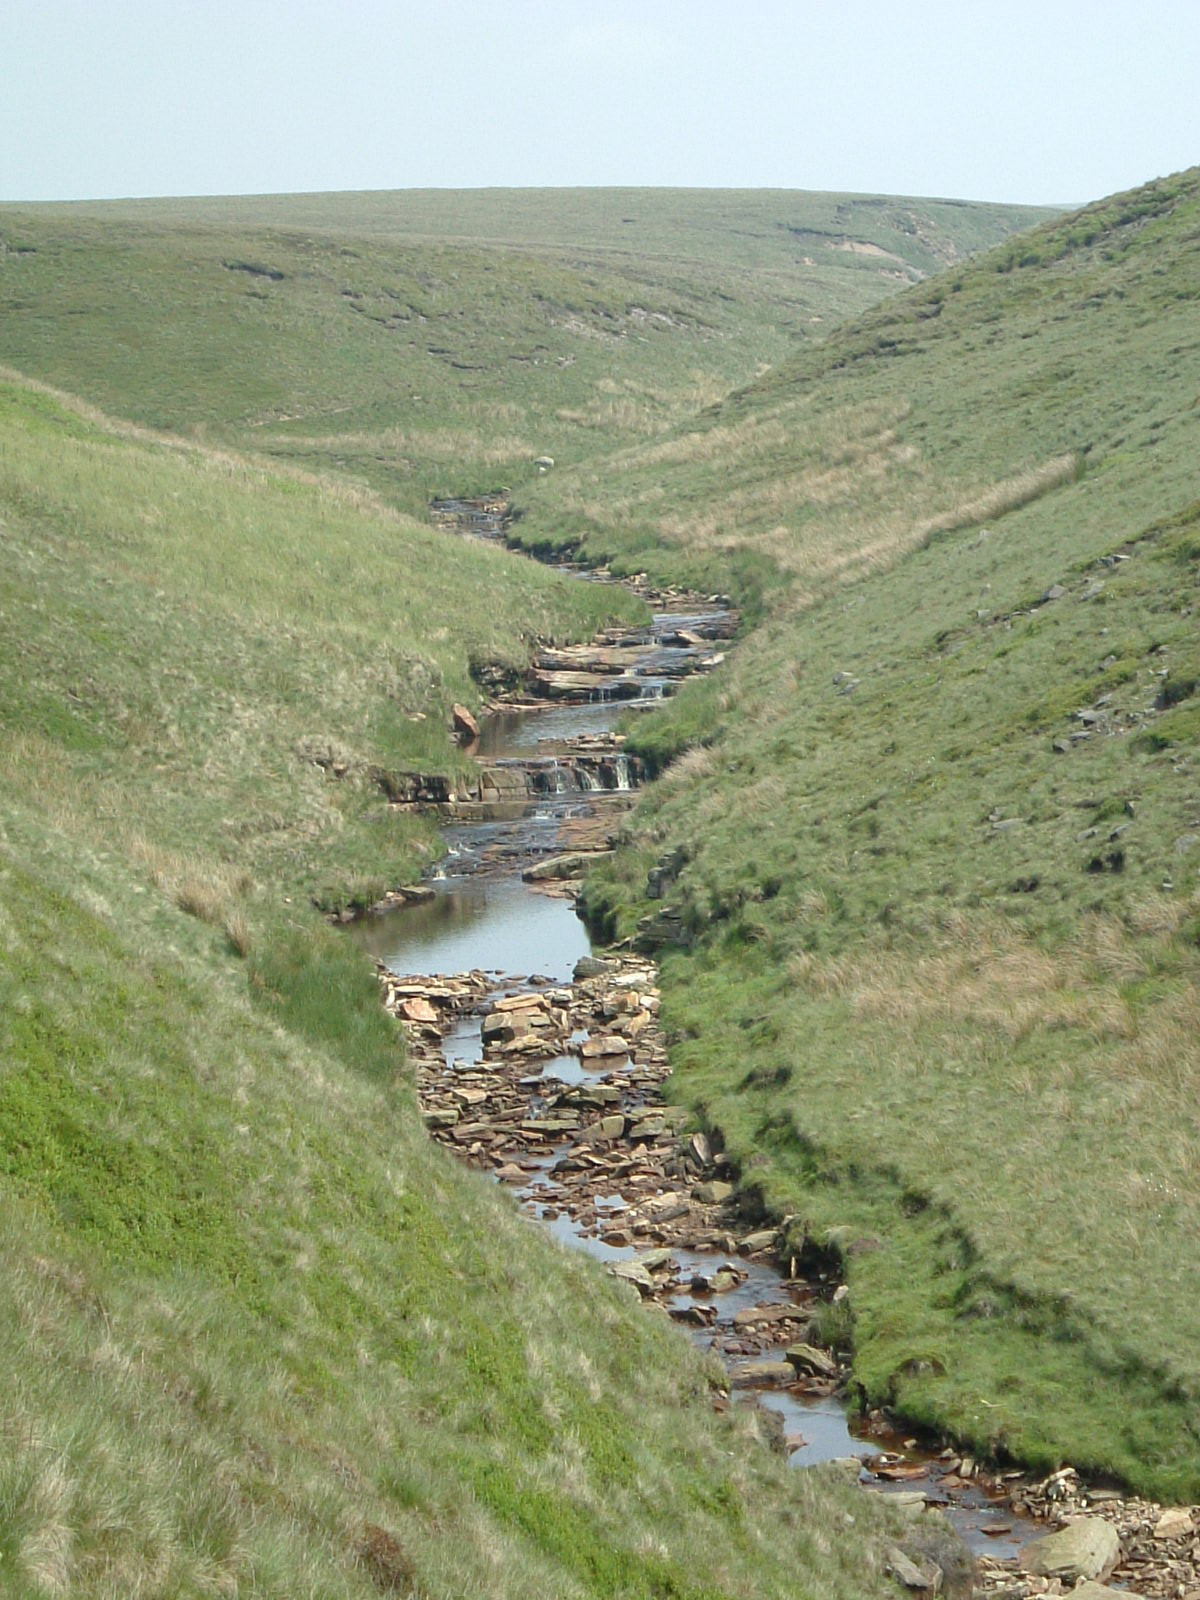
(259, 1336)
(938, 830)
(426, 343)
(228, 656)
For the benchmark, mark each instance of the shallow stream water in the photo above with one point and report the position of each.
(484, 918)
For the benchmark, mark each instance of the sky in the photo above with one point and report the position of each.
(1054, 103)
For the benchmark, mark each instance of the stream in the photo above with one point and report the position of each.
(488, 945)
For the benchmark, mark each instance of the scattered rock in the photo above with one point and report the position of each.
(1175, 1523)
(465, 724)
(604, 1131)
(558, 867)
(713, 1193)
(778, 1311)
(633, 1272)
(1088, 1548)
(700, 1149)
(417, 1010)
(595, 967)
(760, 1374)
(444, 1118)
(923, 1576)
(808, 1359)
(608, 1044)
(763, 1239)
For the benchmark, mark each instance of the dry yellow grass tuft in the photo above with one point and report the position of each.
(205, 890)
(698, 762)
(982, 974)
(1008, 495)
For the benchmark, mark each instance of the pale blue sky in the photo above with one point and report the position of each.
(1051, 102)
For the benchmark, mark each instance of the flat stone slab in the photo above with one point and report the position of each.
(1089, 1549)
(923, 1576)
(807, 1358)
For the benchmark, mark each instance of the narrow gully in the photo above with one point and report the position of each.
(526, 1105)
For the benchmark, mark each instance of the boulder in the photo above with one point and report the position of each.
(763, 1239)
(760, 1374)
(501, 781)
(605, 1130)
(440, 1119)
(647, 1123)
(808, 1359)
(776, 1311)
(701, 1149)
(465, 724)
(548, 1127)
(521, 1002)
(712, 1193)
(416, 894)
(922, 1576)
(1088, 1548)
(653, 1260)
(633, 1272)
(503, 1027)
(594, 967)
(610, 1044)
(1175, 1523)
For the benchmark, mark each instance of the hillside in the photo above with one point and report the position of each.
(432, 342)
(935, 969)
(260, 1335)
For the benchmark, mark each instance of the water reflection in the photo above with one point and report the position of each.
(492, 924)
(507, 733)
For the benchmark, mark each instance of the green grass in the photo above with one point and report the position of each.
(251, 1314)
(943, 994)
(425, 343)
(259, 1334)
(204, 641)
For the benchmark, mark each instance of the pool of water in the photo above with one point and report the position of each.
(490, 924)
(509, 733)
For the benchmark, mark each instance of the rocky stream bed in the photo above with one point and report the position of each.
(544, 1065)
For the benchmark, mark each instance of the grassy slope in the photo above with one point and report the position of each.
(944, 1002)
(258, 1334)
(253, 1335)
(428, 342)
(233, 632)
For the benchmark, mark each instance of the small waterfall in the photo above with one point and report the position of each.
(624, 773)
(558, 780)
(589, 782)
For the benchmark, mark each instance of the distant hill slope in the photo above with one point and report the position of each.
(939, 825)
(429, 341)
